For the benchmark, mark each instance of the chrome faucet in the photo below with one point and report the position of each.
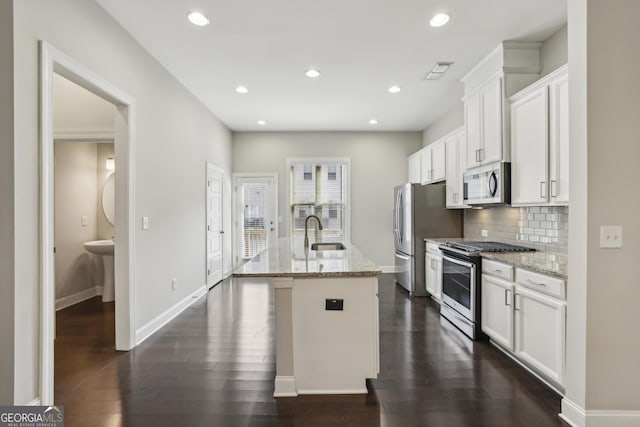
(306, 233)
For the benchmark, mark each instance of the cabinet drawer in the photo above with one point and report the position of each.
(541, 283)
(433, 247)
(498, 269)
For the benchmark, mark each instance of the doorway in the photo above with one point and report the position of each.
(54, 61)
(215, 233)
(255, 213)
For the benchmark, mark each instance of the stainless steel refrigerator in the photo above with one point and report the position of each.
(420, 211)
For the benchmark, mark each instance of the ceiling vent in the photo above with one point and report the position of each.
(438, 70)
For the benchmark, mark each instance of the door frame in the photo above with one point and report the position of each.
(217, 169)
(234, 203)
(53, 60)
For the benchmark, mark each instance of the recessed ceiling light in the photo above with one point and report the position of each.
(261, 122)
(242, 89)
(312, 74)
(394, 89)
(198, 19)
(439, 19)
(373, 122)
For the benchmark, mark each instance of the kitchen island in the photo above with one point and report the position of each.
(326, 311)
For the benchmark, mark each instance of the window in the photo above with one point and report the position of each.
(254, 236)
(319, 187)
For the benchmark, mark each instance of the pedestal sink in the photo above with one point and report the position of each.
(105, 249)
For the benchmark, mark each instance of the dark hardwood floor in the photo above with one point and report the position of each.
(214, 366)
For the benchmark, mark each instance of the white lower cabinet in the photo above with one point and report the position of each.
(433, 271)
(540, 332)
(526, 322)
(497, 310)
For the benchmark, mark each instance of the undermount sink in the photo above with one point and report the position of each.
(100, 247)
(328, 246)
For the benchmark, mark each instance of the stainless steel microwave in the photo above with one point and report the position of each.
(488, 185)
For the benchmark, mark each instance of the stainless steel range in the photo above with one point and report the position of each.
(461, 271)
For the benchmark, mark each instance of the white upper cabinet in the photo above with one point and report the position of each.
(529, 143)
(415, 169)
(455, 158)
(428, 165)
(438, 161)
(425, 162)
(540, 142)
(509, 68)
(559, 139)
(483, 119)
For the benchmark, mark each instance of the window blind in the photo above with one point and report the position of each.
(254, 235)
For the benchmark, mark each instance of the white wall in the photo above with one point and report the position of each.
(76, 194)
(378, 164)
(603, 291)
(448, 122)
(554, 51)
(6, 204)
(175, 136)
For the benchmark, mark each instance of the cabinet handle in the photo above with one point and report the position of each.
(515, 302)
(477, 155)
(554, 188)
(544, 285)
(481, 152)
(506, 297)
(542, 188)
(497, 270)
(455, 197)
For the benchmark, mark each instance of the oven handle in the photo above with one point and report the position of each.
(455, 260)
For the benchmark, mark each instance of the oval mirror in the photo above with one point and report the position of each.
(108, 199)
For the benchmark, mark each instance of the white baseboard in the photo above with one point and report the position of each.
(34, 402)
(572, 413)
(150, 328)
(576, 416)
(352, 391)
(285, 386)
(388, 268)
(70, 300)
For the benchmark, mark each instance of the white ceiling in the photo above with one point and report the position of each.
(361, 48)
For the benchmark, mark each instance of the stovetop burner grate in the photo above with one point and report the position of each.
(489, 247)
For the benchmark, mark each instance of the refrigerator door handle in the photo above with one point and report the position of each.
(404, 257)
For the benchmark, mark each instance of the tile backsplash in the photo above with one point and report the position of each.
(543, 228)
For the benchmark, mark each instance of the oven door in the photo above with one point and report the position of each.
(458, 285)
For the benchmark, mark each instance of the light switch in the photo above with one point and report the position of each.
(145, 222)
(484, 233)
(84, 220)
(610, 236)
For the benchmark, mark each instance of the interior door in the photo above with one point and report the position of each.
(214, 225)
(256, 215)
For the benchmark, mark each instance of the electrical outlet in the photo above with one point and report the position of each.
(484, 233)
(174, 284)
(85, 220)
(145, 222)
(610, 236)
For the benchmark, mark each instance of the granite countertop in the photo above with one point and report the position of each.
(287, 260)
(548, 263)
